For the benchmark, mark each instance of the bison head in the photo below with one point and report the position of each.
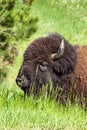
(47, 58)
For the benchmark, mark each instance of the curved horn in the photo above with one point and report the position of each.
(60, 51)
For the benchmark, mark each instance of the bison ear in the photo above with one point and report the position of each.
(60, 51)
(43, 66)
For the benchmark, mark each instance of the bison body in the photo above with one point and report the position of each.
(53, 58)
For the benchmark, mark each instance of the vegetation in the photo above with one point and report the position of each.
(17, 112)
(16, 23)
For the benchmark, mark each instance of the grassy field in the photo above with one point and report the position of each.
(69, 18)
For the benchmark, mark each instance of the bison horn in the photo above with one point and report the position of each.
(60, 51)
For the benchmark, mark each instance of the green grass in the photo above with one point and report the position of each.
(69, 18)
(17, 112)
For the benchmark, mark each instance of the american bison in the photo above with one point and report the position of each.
(54, 58)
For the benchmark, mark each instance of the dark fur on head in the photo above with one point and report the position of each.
(38, 67)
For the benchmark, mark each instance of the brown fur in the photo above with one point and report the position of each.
(80, 72)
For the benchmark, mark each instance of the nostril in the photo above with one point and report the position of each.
(19, 81)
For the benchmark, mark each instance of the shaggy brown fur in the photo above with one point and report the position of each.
(69, 72)
(80, 72)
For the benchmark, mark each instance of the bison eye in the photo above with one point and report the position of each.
(43, 66)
